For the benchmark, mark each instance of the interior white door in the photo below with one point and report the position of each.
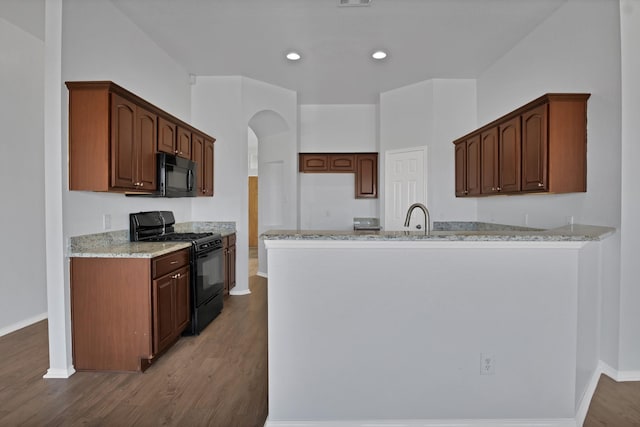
(405, 184)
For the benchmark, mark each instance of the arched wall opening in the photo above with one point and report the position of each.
(273, 155)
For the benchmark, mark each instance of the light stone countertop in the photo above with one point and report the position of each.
(116, 244)
(454, 231)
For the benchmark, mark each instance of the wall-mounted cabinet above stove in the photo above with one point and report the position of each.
(114, 138)
(363, 165)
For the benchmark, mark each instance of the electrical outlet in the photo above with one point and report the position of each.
(569, 220)
(106, 221)
(487, 364)
(526, 219)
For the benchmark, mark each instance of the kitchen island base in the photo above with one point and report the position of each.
(395, 330)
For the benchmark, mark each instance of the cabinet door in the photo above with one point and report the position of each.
(461, 169)
(227, 266)
(183, 143)
(164, 313)
(232, 267)
(207, 179)
(510, 157)
(473, 166)
(366, 176)
(534, 149)
(342, 163)
(313, 162)
(123, 146)
(146, 150)
(166, 136)
(183, 300)
(197, 151)
(489, 161)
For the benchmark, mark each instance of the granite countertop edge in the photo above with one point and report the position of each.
(569, 233)
(116, 244)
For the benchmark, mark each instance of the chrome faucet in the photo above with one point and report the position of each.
(427, 217)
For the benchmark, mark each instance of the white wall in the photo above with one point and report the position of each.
(327, 201)
(630, 248)
(577, 49)
(224, 106)
(100, 43)
(23, 286)
(94, 41)
(253, 152)
(431, 113)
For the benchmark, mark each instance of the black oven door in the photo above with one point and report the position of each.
(208, 275)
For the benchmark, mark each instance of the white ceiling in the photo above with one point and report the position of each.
(426, 39)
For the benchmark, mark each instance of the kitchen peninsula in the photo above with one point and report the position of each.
(472, 322)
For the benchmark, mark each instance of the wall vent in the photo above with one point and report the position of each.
(352, 3)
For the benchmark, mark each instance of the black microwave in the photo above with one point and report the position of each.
(176, 176)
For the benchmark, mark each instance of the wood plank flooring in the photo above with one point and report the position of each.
(217, 379)
(614, 404)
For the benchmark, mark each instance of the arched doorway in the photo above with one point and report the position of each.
(273, 151)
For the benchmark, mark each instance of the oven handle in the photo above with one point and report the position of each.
(207, 253)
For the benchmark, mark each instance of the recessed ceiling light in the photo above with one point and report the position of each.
(354, 3)
(379, 54)
(293, 56)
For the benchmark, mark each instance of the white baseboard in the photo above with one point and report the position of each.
(59, 373)
(562, 422)
(583, 407)
(23, 324)
(581, 413)
(261, 274)
(243, 292)
(619, 376)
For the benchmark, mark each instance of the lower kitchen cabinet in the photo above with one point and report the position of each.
(125, 312)
(170, 308)
(229, 248)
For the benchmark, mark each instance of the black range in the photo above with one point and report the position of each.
(206, 262)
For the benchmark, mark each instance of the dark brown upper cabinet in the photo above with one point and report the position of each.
(203, 154)
(539, 147)
(468, 167)
(114, 136)
(363, 165)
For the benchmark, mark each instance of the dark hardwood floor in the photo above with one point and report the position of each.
(614, 404)
(216, 379)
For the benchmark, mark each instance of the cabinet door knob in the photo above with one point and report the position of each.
(493, 188)
(499, 189)
(540, 184)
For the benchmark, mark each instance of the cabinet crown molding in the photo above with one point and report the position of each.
(544, 99)
(112, 87)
